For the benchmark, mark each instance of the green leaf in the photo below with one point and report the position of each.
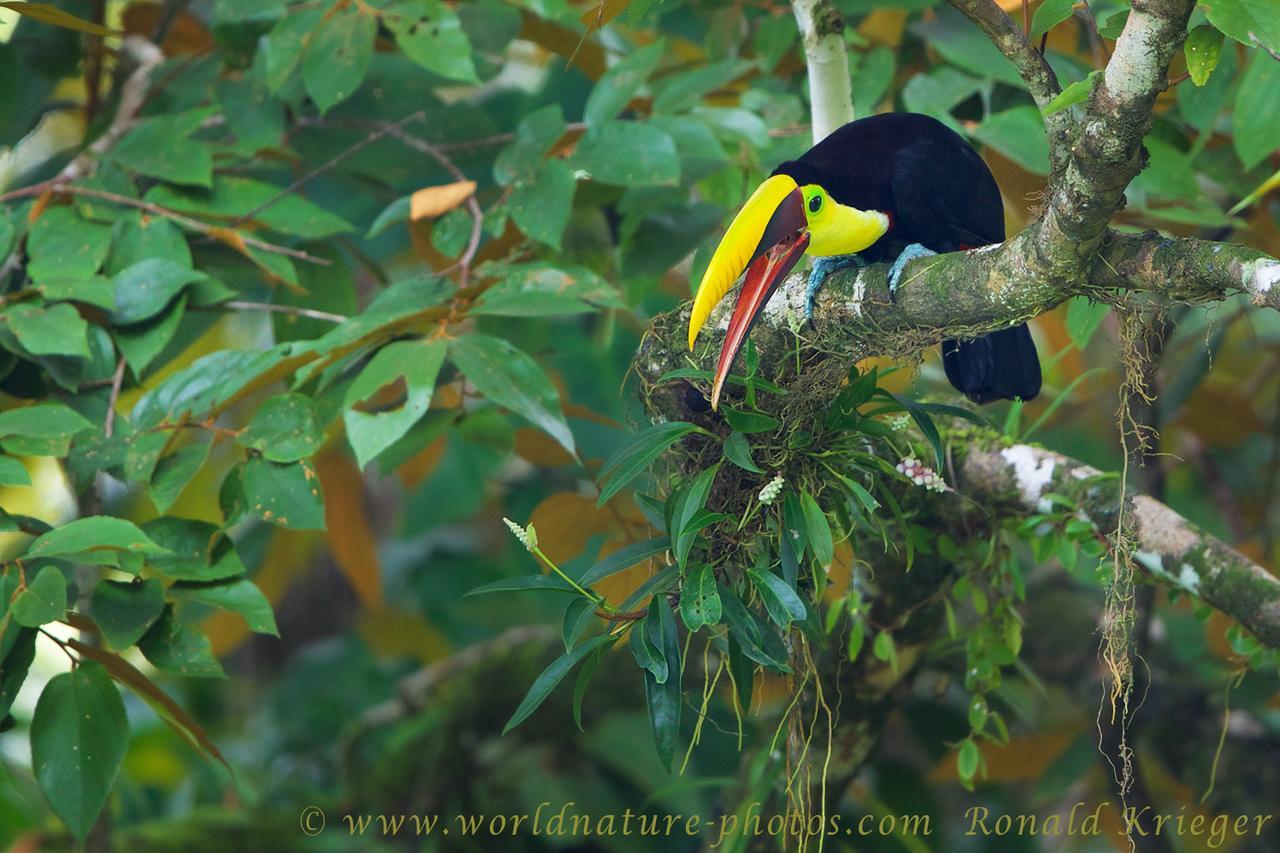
(160, 147)
(13, 472)
(49, 329)
(738, 451)
(537, 290)
(817, 529)
(284, 429)
(664, 700)
(43, 420)
(509, 377)
(179, 649)
(1075, 93)
(1202, 48)
(540, 206)
(699, 600)
(145, 288)
(685, 507)
(1240, 18)
(92, 540)
(1083, 318)
(536, 133)
(921, 416)
(885, 650)
(1048, 15)
(577, 616)
(679, 92)
(337, 55)
(285, 495)
(754, 636)
(396, 212)
(628, 153)
(1017, 133)
(585, 675)
(967, 759)
(631, 459)
(550, 677)
(233, 196)
(965, 46)
(748, 422)
(142, 343)
(124, 610)
(282, 47)
(174, 473)
(646, 644)
(44, 600)
(615, 89)
(238, 595)
(62, 245)
(624, 558)
(780, 600)
(15, 666)
(79, 734)
(1256, 107)
(524, 583)
(431, 35)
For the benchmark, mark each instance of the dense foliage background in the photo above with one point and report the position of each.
(348, 282)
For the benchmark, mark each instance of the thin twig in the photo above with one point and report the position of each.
(1096, 40)
(1026, 18)
(473, 207)
(320, 170)
(236, 305)
(193, 224)
(132, 96)
(117, 380)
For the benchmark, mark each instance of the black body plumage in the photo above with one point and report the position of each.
(939, 193)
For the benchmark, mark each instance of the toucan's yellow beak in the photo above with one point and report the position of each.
(766, 239)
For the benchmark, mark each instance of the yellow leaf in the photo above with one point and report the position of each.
(394, 633)
(430, 202)
(347, 522)
(47, 13)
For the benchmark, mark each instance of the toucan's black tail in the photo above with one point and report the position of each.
(1000, 366)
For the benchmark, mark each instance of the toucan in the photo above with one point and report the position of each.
(892, 186)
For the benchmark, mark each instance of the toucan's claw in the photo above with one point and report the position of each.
(910, 253)
(823, 267)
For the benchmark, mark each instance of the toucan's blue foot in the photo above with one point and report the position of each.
(823, 267)
(910, 253)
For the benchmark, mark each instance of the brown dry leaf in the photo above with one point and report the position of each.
(186, 36)
(536, 447)
(566, 520)
(602, 13)
(418, 467)
(1022, 759)
(839, 573)
(48, 13)
(884, 27)
(586, 54)
(347, 522)
(430, 202)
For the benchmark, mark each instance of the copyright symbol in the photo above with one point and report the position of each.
(311, 820)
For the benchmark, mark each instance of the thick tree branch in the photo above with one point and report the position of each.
(827, 58)
(1175, 551)
(1107, 153)
(955, 295)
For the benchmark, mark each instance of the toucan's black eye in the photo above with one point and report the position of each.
(815, 204)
